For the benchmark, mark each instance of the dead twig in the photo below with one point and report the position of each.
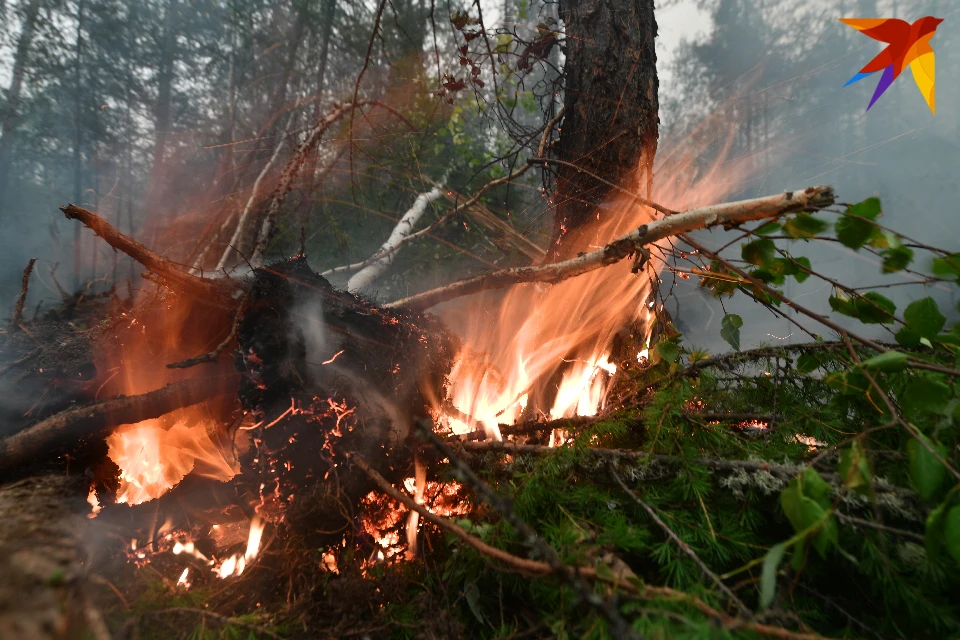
(466, 205)
(24, 284)
(683, 546)
(638, 198)
(627, 244)
(97, 420)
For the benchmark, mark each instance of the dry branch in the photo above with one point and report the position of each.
(166, 269)
(99, 419)
(24, 284)
(295, 164)
(242, 223)
(628, 244)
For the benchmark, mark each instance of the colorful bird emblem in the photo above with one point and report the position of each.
(907, 44)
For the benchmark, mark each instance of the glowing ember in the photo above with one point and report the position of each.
(182, 581)
(153, 459)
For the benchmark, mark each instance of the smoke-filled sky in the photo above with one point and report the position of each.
(775, 77)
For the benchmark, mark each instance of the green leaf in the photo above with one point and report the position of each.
(802, 275)
(472, 596)
(730, 330)
(908, 338)
(854, 468)
(889, 362)
(924, 317)
(951, 533)
(768, 575)
(926, 472)
(896, 259)
(807, 363)
(759, 252)
(855, 227)
(925, 394)
(829, 536)
(767, 229)
(804, 225)
(870, 308)
(869, 208)
(933, 536)
(947, 267)
(801, 510)
(815, 487)
(669, 351)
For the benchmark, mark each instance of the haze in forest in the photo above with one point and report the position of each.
(158, 112)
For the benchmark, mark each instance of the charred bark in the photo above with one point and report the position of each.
(610, 123)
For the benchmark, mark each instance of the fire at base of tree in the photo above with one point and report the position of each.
(390, 355)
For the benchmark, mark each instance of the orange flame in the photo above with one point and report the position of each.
(153, 459)
(517, 344)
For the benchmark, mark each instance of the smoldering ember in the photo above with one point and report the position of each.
(515, 319)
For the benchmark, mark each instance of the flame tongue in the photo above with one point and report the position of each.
(153, 459)
(518, 344)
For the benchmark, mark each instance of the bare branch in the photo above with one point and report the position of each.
(24, 284)
(161, 266)
(628, 244)
(453, 212)
(369, 274)
(252, 200)
(292, 170)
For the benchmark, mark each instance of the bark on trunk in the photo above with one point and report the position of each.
(610, 110)
(8, 117)
(78, 141)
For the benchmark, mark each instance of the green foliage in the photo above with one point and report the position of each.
(804, 225)
(730, 329)
(857, 227)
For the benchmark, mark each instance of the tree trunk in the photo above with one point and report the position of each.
(161, 112)
(610, 119)
(8, 117)
(78, 141)
(329, 12)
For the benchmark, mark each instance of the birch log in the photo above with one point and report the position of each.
(366, 276)
(628, 244)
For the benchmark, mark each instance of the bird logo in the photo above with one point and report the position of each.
(907, 44)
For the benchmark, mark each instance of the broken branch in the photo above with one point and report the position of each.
(628, 244)
(159, 265)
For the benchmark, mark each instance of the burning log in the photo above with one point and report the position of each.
(98, 420)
